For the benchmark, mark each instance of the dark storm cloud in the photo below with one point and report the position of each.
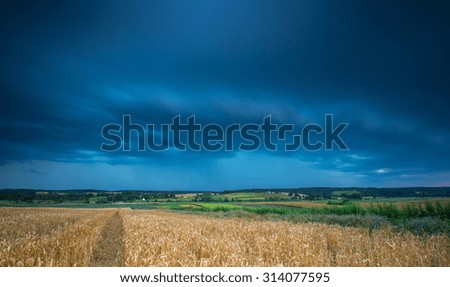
(67, 69)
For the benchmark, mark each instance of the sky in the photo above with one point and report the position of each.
(68, 68)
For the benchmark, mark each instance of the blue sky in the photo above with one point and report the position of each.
(68, 68)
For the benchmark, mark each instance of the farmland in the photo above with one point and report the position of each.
(180, 236)
(49, 237)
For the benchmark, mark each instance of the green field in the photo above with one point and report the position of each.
(345, 192)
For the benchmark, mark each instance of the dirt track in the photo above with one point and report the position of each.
(109, 249)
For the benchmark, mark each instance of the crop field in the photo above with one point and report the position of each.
(402, 202)
(301, 204)
(49, 237)
(125, 237)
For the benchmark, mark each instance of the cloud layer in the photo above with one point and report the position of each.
(66, 70)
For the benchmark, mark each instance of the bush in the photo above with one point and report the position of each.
(425, 225)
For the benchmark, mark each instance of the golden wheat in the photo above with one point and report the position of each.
(156, 238)
(68, 237)
(49, 237)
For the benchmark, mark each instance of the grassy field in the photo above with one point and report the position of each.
(403, 201)
(235, 237)
(392, 207)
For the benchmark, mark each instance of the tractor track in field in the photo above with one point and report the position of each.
(109, 249)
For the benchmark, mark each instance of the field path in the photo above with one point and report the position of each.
(109, 249)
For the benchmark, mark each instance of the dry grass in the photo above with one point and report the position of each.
(156, 238)
(49, 237)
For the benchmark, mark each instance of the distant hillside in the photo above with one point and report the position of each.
(30, 195)
(328, 192)
(311, 193)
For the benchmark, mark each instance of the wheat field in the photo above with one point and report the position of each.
(167, 239)
(49, 237)
(73, 237)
